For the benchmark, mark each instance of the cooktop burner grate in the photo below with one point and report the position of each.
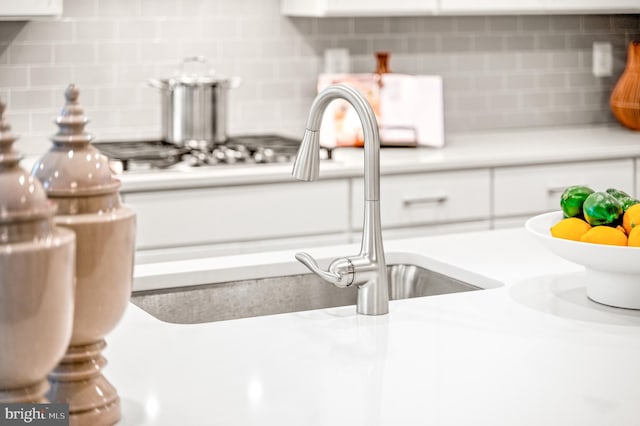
(247, 149)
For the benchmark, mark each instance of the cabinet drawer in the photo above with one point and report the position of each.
(426, 198)
(239, 213)
(536, 189)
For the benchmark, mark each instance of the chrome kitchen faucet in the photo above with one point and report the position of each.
(368, 269)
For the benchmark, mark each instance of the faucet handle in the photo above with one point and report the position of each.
(343, 277)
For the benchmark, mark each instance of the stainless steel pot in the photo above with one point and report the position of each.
(195, 104)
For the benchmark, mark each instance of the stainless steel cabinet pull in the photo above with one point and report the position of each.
(556, 190)
(437, 199)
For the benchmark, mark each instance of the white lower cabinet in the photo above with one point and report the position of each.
(249, 218)
(530, 190)
(239, 213)
(427, 198)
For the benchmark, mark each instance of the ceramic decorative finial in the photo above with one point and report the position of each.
(74, 166)
(72, 120)
(8, 157)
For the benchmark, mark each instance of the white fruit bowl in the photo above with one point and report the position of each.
(612, 273)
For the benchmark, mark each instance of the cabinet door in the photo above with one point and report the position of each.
(531, 190)
(427, 198)
(357, 7)
(239, 213)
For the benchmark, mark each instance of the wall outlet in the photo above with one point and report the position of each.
(602, 59)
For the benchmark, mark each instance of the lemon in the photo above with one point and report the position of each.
(570, 228)
(634, 237)
(604, 235)
(631, 218)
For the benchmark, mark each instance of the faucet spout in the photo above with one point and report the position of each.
(367, 269)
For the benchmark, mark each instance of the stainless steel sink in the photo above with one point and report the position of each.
(294, 293)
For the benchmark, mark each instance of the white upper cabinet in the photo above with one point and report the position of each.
(452, 7)
(28, 9)
(594, 6)
(464, 7)
(523, 7)
(358, 7)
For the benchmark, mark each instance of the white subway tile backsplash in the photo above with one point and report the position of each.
(335, 26)
(520, 81)
(137, 30)
(535, 99)
(20, 121)
(14, 76)
(499, 71)
(74, 53)
(535, 23)
(470, 62)
(503, 101)
(474, 24)
(440, 25)
(520, 42)
(552, 79)
(31, 99)
(112, 53)
(198, 8)
(4, 54)
(45, 31)
(80, 8)
(565, 60)
(94, 75)
(370, 25)
(160, 9)
(167, 52)
(397, 44)
(533, 61)
(488, 43)
(21, 54)
(140, 117)
(43, 125)
(551, 41)
(406, 25)
(593, 23)
(95, 30)
(50, 76)
(119, 8)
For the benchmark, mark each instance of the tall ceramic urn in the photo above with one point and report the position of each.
(77, 177)
(36, 280)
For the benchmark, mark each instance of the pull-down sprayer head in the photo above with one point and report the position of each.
(307, 164)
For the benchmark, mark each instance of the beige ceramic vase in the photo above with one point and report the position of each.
(77, 177)
(36, 281)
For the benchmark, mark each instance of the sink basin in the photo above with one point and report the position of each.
(276, 295)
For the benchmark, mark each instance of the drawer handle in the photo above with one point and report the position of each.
(556, 190)
(438, 199)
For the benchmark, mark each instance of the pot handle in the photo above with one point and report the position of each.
(157, 84)
(235, 82)
(201, 60)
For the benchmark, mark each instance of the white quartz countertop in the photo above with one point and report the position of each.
(461, 151)
(531, 350)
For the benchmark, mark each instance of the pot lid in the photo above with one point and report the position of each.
(73, 167)
(22, 197)
(196, 71)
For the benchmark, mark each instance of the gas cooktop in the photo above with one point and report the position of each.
(155, 154)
